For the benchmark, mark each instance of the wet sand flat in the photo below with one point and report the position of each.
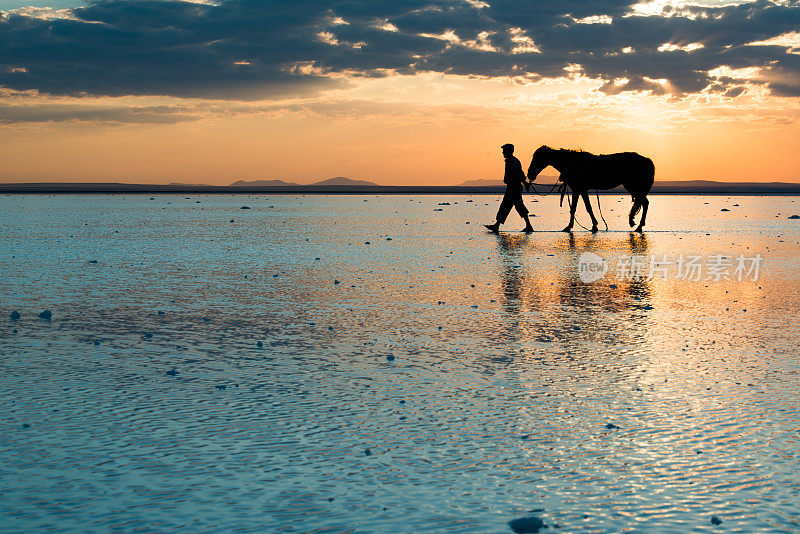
(373, 363)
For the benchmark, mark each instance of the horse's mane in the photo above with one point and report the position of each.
(568, 150)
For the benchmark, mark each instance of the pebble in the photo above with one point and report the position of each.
(245, 207)
(715, 520)
(206, 319)
(173, 372)
(611, 426)
(390, 358)
(794, 216)
(367, 452)
(161, 312)
(15, 315)
(46, 314)
(96, 342)
(259, 344)
(92, 261)
(221, 387)
(526, 525)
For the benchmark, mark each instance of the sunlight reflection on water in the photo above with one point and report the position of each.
(478, 370)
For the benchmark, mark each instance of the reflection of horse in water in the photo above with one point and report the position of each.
(582, 171)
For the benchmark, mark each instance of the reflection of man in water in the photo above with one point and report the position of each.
(514, 178)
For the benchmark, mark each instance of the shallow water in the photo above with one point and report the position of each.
(146, 402)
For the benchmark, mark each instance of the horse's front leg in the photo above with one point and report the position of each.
(587, 202)
(572, 206)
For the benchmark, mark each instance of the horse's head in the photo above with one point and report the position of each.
(540, 160)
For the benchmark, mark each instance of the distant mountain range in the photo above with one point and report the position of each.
(344, 185)
(339, 181)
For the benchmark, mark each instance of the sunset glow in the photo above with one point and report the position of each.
(422, 93)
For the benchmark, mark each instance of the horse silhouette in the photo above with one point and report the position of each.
(582, 171)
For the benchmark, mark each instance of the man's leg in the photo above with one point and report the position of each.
(523, 212)
(502, 213)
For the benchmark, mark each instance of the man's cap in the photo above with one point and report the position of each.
(508, 146)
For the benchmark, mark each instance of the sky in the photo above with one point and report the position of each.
(421, 92)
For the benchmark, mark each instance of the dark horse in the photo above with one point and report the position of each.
(582, 171)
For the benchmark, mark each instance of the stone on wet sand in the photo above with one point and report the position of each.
(526, 525)
(794, 216)
(46, 314)
(611, 426)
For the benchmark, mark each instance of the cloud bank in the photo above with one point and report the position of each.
(264, 50)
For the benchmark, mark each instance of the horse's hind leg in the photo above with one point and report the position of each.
(645, 203)
(588, 204)
(637, 203)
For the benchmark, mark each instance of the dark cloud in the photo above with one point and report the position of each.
(255, 49)
(18, 113)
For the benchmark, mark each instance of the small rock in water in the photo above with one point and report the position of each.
(46, 314)
(206, 319)
(526, 525)
(96, 342)
(221, 387)
(231, 220)
(613, 286)
(390, 358)
(173, 372)
(724, 209)
(92, 261)
(336, 282)
(444, 203)
(15, 315)
(611, 426)
(715, 520)
(794, 216)
(161, 312)
(245, 207)
(259, 344)
(367, 452)
(25, 425)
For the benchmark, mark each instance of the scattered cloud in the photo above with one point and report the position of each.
(252, 50)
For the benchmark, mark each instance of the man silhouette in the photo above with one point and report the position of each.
(514, 178)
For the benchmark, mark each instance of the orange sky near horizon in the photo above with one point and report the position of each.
(420, 130)
(351, 111)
